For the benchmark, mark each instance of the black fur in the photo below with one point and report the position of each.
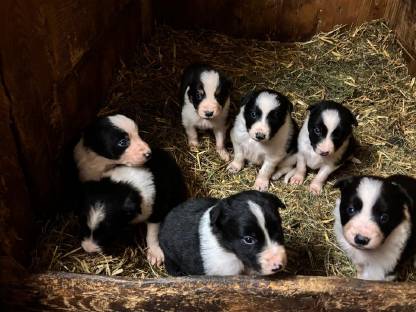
(191, 77)
(231, 220)
(317, 129)
(103, 137)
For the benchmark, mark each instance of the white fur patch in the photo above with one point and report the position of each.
(216, 260)
(95, 216)
(142, 180)
(331, 120)
(258, 213)
(210, 80)
(124, 123)
(89, 245)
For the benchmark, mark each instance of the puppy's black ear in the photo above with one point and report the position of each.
(274, 200)
(226, 82)
(247, 98)
(343, 182)
(353, 118)
(284, 99)
(408, 200)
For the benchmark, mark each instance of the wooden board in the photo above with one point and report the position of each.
(284, 20)
(74, 292)
(401, 16)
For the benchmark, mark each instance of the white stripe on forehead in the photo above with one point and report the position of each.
(210, 80)
(124, 123)
(369, 191)
(258, 213)
(95, 215)
(331, 119)
(267, 102)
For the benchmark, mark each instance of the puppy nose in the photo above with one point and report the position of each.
(148, 155)
(324, 153)
(209, 113)
(260, 136)
(361, 240)
(277, 267)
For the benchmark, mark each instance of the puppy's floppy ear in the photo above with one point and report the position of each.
(408, 200)
(284, 99)
(273, 199)
(343, 182)
(353, 119)
(226, 82)
(247, 98)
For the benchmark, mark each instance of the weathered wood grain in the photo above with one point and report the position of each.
(74, 292)
(282, 20)
(401, 16)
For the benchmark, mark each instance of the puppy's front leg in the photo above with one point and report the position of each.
(192, 136)
(219, 139)
(264, 175)
(238, 162)
(154, 253)
(300, 172)
(319, 180)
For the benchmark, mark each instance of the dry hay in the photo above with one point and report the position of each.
(361, 67)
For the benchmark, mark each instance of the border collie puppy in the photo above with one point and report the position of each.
(375, 222)
(108, 142)
(264, 133)
(205, 94)
(129, 195)
(325, 142)
(235, 235)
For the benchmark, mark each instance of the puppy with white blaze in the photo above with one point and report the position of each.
(108, 142)
(264, 133)
(325, 142)
(375, 222)
(236, 235)
(129, 195)
(205, 94)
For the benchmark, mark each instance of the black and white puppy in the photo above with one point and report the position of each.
(325, 142)
(375, 222)
(235, 235)
(108, 142)
(129, 195)
(264, 133)
(205, 94)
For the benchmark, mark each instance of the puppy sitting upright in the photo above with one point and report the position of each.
(205, 94)
(108, 142)
(325, 142)
(375, 222)
(264, 133)
(235, 235)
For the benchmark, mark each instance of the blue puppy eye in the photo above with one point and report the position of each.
(123, 143)
(351, 211)
(253, 114)
(384, 218)
(249, 240)
(317, 131)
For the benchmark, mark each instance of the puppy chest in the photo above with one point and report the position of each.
(253, 152)
(203, 124)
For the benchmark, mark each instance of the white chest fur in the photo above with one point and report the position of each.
(216, 260)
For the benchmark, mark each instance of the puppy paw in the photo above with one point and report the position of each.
(193, 144)
(297, 179)
(261, 185)
(223, 154)
(234, 167)
(155, 255)
(315, 188)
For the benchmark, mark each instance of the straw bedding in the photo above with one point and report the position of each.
(362, 67)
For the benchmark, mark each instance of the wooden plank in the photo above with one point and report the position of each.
(401, 16)
(284, 20)
(75, 292)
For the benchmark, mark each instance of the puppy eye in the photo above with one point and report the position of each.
(253, 114)
(351, 211)
(384, 218)
(199, 94)
(123, 143)
(249, 240)
(317, 131)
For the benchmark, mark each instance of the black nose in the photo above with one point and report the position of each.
(361, 240)
(209, 114)
(148, 155)
(260, 136)
(277, 268)
(324, 153)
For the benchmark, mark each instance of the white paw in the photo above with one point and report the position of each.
(278, 174)
(155, 255)
(234, 167)
(193, 144)
(315, 188)
(223, 154)
(261, 185)
(297, 179)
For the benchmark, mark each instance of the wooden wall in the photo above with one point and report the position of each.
(283, 20)
(57, 59)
